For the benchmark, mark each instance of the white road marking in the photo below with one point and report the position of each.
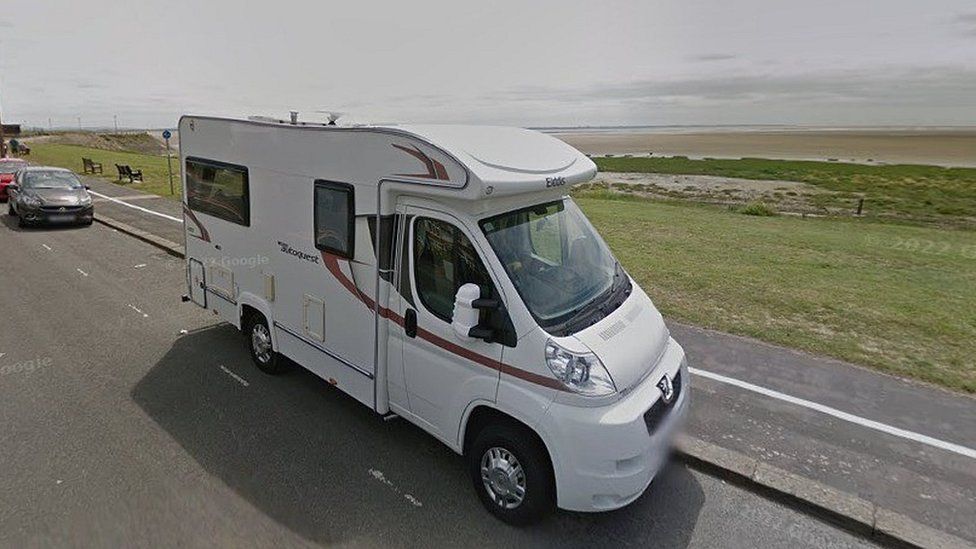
(1, 355)
(864, 422)
(135, 197)
(379, 476)
(139, 266)
(136, 309)
(46, 247)
(82, 272)
(416, 502)
(140, 208)
(236, 377)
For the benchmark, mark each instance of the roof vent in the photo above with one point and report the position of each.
(332, 116)
(294, 117)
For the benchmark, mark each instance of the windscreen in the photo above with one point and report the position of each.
(553, 256)
(51, 180)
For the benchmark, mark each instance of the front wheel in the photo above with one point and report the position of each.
(512, 474)
(10, 208)
(259, 342)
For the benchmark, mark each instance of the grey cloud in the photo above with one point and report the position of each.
(967, 21)
(921, 84)
(906, 95)
(714, 57)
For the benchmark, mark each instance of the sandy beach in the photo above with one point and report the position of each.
(939, 147)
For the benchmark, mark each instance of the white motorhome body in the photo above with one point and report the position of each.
(492, 307)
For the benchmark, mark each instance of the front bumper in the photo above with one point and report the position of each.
(604, 458)
(56, 214)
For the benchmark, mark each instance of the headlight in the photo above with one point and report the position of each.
(580, 372)
(31, 200)
(84, 201)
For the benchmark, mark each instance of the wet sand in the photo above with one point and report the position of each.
(941, 147)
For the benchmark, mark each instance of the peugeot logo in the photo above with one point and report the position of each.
(667, 389)
(61, 209)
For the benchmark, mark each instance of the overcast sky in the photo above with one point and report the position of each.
(563, 62)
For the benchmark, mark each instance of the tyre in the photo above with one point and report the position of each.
(512, 474)
(10, 208)
(259, 343)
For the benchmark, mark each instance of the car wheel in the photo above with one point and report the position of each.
(21, 222)
(512, 474)
(10, 208)
(259, 342)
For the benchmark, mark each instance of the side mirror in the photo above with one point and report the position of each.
(468, 305)
(87, 187)
(13, 187)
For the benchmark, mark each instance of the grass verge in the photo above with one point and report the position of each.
(928, 194)
(896, 298)
(154, 171)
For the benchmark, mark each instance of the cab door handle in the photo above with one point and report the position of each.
(410, 323)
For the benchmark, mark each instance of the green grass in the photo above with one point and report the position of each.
(153, 167)
(758, 208)
(927, 194)
(894, 297)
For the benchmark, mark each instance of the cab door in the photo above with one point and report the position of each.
(443, 372)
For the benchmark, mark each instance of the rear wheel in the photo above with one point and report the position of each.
(259, 342)
(512, 475)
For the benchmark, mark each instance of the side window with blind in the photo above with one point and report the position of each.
(335, 218)
(444, 260)
(218, 189)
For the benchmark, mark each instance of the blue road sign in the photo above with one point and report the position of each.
(167, 134)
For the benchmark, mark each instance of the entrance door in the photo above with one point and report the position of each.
(198, 281)
(443, 372)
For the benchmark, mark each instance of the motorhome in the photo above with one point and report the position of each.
(444, 275)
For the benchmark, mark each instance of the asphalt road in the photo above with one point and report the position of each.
(119, 429)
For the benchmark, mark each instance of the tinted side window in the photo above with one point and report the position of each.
(443, 260)
(218, 189)
(335, 217)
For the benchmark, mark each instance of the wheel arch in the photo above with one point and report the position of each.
(482, 414)
(249, 304)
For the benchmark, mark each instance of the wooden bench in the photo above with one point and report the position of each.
(91, 167)
(126, 171)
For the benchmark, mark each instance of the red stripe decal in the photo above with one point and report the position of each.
(331, 263)
(204, 234)
(435, 170)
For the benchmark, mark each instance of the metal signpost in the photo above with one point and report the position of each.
(169, 163)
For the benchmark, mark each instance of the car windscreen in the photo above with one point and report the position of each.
(554, 258)
(51, 180)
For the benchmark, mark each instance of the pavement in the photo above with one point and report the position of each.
(168, 227)
(884, 456)
(128, 418)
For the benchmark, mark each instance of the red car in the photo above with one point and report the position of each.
(8, 167)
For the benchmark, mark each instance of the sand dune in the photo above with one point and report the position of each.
(942, 147)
